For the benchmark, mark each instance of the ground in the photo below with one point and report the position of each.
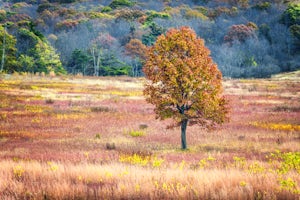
(89, 138)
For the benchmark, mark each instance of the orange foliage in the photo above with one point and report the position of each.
(184, 82)
(135, 48)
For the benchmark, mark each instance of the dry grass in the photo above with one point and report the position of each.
(117, 181)
(91, 138)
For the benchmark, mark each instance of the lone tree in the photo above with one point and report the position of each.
(183, 81)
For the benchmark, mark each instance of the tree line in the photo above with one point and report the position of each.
(255, 38)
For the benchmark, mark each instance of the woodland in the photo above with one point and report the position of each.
(247, 38)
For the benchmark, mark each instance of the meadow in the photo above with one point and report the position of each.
(69, 137)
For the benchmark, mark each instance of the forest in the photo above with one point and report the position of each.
(247, 38)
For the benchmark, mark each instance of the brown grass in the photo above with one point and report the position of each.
(55, 133)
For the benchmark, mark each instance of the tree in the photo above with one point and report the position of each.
(26, 63)
(47, 60)
(41, 52)
(155, 30)
(291, 15)
(100, 46)
(78, 62)
(137, 51)
(183, 81)
(7, 50)
(240, 33)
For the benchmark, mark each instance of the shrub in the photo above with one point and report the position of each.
(18, 172)
(49, 101)
(135, 159)
(98, 136)
(143, 126)
(101, 109)
(110, 146)
(114, 70)
(289, 161)
(135, 133)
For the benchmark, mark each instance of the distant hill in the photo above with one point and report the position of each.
(247, 38)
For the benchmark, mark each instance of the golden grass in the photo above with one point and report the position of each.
(276, 126)
(61, 181)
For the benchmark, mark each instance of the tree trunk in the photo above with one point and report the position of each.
(183, 133)
(96, 60)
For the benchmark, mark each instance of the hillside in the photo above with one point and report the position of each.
(247, 38)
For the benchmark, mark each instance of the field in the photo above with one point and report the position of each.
(97, 138)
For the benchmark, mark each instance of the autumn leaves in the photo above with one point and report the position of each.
(184, 83)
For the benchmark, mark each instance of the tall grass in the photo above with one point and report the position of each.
(23, 180)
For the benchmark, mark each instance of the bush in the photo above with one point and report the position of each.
(98, 136)
(110, 146)
(143, 126)
(49, 101)
(101, 109)
(134, 133)
(114, 71)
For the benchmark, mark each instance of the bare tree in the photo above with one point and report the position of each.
(96, 54)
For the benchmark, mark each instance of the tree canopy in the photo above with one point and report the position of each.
(7, 51)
